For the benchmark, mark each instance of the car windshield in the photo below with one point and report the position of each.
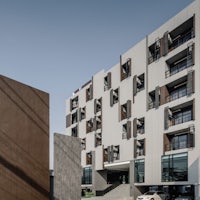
(149, 193)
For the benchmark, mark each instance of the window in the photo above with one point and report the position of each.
(98, 122)
(140, 147)
(126, 110)
(114, 96)
(126, 69)
(89, 125)
(107, 81)
(75, 131)
(116, 153)
(98, 139)
(82, 113)
(97, 105)
(139, 171)
(73, 103)
(154, 98)
(179, 114)
(87, 176)
(175, 167)
(74, 118)
(180, 61)
(83, 144)
(126, 130)
(180, 139)
(105, 155)
(154, 51)
(89, 158)
(89, 93)
(140, 125)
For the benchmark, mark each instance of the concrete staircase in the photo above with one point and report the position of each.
(122, 192)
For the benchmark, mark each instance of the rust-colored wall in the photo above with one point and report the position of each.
(24, 141)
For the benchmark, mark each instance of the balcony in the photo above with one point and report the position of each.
(181, 61)
(179, 140)
(125, 69)
(73, 103)
(181, 39)
(179, 114)
(139, 148)
(171, 40)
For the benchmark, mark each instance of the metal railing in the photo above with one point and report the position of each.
(178, 67)
(177, 95)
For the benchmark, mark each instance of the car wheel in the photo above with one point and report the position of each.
(152, 199)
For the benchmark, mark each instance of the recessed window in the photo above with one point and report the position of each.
(139, 171)
(126, 69)
(175, 167)
(87, 176)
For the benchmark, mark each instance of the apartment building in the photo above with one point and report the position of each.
(139, 121)
(24, 141)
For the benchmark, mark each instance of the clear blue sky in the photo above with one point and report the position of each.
(57, 45)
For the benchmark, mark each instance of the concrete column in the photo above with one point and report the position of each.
(93, 173)
(131, 177)
(197, 191)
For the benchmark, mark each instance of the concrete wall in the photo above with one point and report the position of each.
(67, 168)
(24, 141)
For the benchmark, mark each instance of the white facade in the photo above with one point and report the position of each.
(167, 102)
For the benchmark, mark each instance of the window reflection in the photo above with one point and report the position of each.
(175, 167)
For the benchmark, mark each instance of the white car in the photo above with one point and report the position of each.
(153, 195)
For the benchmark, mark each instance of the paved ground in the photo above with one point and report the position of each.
(119, 193)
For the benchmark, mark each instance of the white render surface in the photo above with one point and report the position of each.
(154, 118)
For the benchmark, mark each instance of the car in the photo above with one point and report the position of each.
(154, 195)
(183, 198)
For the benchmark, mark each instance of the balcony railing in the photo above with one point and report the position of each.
(180, 119)
(178, 68)
(177, 95)
(178, 145)
(182, 39)
(140, 152)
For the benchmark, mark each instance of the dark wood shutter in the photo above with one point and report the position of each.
(157, 97)
(134, 85)
(128, 108)
(70, 105)
(111, 154)
(135, 148)
(193, 109)
(68, 120)
(135, 127)
(190, 83)
(95, 106)
(109, 80)
(79, 114)
(166, 116)
(129, 66)
(91, 92)
(165, 46)
(128, 129)
(111, 97)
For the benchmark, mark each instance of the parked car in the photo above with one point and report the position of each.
(183, 198)
(154, 195)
